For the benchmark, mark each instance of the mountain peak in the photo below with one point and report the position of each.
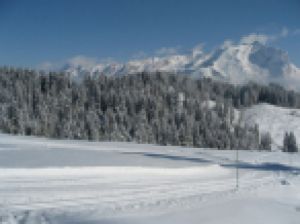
(249, 60)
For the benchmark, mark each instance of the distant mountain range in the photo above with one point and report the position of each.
(235, 63)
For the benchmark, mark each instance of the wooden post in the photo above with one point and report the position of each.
(237, 169)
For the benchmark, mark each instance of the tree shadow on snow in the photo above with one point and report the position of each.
(170, 157)
(263, 166)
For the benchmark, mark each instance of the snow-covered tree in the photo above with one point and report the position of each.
(266, 141)
(290, 143)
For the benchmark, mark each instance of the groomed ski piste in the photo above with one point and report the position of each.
(46, 181)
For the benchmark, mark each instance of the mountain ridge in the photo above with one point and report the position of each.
(236, 63)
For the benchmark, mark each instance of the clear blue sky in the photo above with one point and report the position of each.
(35, 31)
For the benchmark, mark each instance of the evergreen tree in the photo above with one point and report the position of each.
(157, 108)
(266, 142)
(290, 143)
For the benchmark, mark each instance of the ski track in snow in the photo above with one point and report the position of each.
(23, 193)
(29, 194)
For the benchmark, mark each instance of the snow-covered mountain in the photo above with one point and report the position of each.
(232, 62)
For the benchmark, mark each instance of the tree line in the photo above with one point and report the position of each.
(158, 108)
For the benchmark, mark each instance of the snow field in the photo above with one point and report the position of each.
(54, 181)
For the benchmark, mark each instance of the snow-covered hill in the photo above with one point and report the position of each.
(62, 182)
(233, 62)
(274, 119)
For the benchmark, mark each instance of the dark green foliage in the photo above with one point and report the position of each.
(289, 143)
(266, 141)
(147, 108)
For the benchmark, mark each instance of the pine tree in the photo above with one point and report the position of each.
(158, 108)
(290, 143)
(266, 142)
(293, 143)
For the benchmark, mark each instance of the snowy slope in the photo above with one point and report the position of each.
(54, 181)
(274, 119)
(232, 62)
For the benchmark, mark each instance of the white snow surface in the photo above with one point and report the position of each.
(62, 181)
(274, 119)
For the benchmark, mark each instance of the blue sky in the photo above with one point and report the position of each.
(36, 31)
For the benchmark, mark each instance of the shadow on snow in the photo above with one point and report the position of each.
(170, 157)
(263, 166)
(240, 165)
